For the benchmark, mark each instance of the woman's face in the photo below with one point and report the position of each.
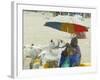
(74, 43)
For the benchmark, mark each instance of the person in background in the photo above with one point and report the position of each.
(61, 43)
(52, 44)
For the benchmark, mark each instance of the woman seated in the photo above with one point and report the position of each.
(75, 58)
(65, 56)
(71, 56)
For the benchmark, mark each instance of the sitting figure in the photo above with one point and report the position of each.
(75, 58)
(65, 56)
(71, 56)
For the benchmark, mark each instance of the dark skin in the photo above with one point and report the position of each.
(74, 42)
(65, 53)
(68, 50)
(51, 41)
(32, 45)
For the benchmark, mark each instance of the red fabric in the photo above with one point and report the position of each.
(80, 28)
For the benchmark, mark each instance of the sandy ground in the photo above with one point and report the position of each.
(35, 32)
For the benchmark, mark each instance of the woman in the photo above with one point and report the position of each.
(65, 56)
(75, 58)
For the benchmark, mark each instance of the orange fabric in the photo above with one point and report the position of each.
(68, 27)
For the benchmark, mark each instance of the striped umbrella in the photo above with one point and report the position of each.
(76, 19)
(67, 27)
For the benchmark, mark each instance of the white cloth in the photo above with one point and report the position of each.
(52, 45)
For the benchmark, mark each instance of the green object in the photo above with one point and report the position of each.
(66, 63)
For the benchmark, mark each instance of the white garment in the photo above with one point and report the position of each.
(52, 45)
(51, 55)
